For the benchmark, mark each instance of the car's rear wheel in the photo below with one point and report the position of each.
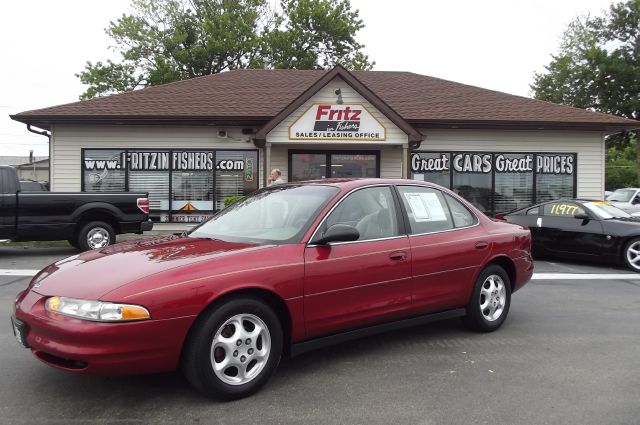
(234, 349)
(490, 300)
(95, 235)
(631, 255)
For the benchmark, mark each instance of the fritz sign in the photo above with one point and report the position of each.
(332, 121)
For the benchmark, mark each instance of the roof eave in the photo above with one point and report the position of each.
(609, 128)
(45, 121)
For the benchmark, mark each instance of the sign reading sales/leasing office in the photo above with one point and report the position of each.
(331, 121)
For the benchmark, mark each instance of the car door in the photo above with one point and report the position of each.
(447, 248)
(363, 282)
(634, 204)
(563, 234)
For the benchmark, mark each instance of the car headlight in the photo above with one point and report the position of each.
(96, 310)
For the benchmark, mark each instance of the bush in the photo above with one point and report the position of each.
(232, 200)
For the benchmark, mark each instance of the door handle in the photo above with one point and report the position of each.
(398, 255)
(482, 244)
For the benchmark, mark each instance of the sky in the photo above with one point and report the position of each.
(494, 44)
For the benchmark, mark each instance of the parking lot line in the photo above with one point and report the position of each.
(18, 272)
(585, 276)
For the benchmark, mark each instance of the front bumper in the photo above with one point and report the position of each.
(76, 345)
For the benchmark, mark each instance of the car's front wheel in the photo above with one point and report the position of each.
(234, 349)
(631, 255)
(490, 300)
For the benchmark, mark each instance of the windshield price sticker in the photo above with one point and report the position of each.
(563, 209)
(425, 207)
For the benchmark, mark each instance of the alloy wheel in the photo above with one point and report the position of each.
(493, 297)
(240, 349)
(633, 255)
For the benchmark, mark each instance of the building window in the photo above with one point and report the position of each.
(103, 170)
(498, 182)
(236, 174)
(306, 165)
(183, 185)
(513, 181)
(472, 179)
(432, 167)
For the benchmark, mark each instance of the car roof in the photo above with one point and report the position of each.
(349, 183)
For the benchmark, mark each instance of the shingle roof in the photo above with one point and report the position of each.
(259, 95)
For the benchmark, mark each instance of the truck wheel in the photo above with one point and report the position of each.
(95, 235)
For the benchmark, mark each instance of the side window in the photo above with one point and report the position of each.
(562, 209)
(533, 211)
(371, 210)
(462, 217)
(427, 209)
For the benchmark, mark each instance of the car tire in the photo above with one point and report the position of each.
(631, 253)
(490, 300)
(233, 349)
(95, 235)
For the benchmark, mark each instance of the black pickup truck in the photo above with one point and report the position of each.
(86, 220)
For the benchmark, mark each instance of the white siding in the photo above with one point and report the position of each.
(68, 141)
(588, 146)
(280, 134)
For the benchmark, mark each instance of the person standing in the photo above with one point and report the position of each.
(275, 177)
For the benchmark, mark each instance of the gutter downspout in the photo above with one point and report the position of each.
(48, 136)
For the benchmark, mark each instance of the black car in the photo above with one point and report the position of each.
(581, 229)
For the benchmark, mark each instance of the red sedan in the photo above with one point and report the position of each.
(290, 268)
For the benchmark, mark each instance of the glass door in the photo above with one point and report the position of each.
(320, 165)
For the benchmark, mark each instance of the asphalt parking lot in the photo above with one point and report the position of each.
(568, 353)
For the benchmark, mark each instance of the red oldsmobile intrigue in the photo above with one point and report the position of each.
(288, 269)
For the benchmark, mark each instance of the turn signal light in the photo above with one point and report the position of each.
(134, 312)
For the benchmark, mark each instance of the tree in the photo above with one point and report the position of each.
(598, 68)
(169, 40)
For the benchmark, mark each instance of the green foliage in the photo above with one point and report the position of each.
(621, 166)
(232, 200)
(598, 68)
(169, 40)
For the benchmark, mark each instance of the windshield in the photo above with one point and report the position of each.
(275, 215)
(605, 210)
(621, 195)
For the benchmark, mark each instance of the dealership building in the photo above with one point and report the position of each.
(193, 143)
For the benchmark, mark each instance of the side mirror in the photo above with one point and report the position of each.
(338, 233)
(581, 216)
(635, 201)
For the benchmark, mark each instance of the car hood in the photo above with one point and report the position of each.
(92, 274)
(634, 221)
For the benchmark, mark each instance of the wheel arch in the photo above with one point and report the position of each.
(97, 215)
(270, 298)
(507, 264)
